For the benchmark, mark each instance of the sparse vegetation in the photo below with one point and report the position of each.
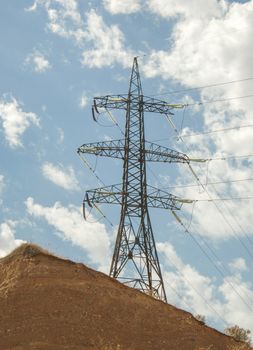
(239, 334)
(200, 318)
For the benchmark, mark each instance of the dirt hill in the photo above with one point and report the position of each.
(54, 304)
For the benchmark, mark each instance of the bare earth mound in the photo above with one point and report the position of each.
(50, 303)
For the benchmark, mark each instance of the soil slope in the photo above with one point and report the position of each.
(51, 303)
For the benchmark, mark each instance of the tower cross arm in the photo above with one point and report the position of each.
(113, 194)
(117, 148)
(108, 194)
(148, 104)
(113, 149)
(157, 153)
(164, 200)
(154, 105)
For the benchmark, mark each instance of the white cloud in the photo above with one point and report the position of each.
(238, 264)
(83, 101)
(92, 237)
(201, 294)
(61, 176)
(64, 17)
(101, 44)
(190, 8)
(7, 238)
(14, 120)
(202, 48)
(107, 44)
(38, 62)
(66, 8)
(126, 6)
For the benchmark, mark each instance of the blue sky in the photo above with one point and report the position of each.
(55, 56)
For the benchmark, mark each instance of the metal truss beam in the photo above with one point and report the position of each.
(116, 149)
(113, 194)
(122, 101)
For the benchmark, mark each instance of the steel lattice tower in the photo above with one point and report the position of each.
(135, 261)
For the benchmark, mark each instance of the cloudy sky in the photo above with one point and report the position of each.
(56, 55)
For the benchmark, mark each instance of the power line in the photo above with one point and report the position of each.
(211, 250)
(221, 213)
(223, 199)
(204, 188)
(210, 259)
(196, 291)
(208, 132)
(218, 100)
(214, 254)
(209, 183)
(217, 131)
(87, 164)
(237, 222)
(188, 305)
(188, 149)
(232, 157)
(180, 137)
(210, 197)
(203, 87)
(248, 198)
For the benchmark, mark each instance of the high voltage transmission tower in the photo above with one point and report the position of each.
(135, 261)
